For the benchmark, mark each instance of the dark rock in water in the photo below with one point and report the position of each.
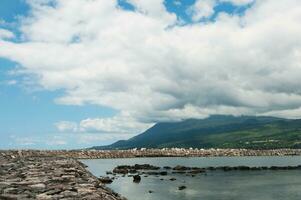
(243, 168)
(226, 168)
(197, 171)
(211, 168)
(124, 169)
(172, 179)
(197, 168)
(132, 171)
(291, 167)
(163, 173)
(264, 168)
(105, 180)
(283, 167)
(120, 170)
(179, 172)
(274, 168)
(150, 191)
(166, 167)
(255, 168)
(247, 168)
(152, 173)
(145, 167)
(136, 178)
(182, 187)
(181, 168)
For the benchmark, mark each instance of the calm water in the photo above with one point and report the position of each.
(215, 185)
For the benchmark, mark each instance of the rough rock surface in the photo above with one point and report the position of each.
(136, 178)
(173, 152)
(49, 178)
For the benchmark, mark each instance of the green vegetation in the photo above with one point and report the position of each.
(219, 131)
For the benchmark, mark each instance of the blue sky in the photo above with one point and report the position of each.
(28, 111)
(39, 108)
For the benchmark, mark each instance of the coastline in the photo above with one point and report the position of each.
(134, 153)
(56, 174)
(49, 178)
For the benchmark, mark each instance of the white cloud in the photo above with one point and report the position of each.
(87, 139)
(24, 141)
(56, 140)
(64, 140)
(202, 9)
(154, 9)
(11, 82)
(5, 34)
(130, 61)
(239, 2)
(66, 126)
(177, 2)
(290, 113)
(116, 125)
(120, 124)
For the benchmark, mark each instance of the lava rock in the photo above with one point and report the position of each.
(167, 167)
(181, 168)
(106, 180)
(182, 187)
(136, 179)
(164, 173)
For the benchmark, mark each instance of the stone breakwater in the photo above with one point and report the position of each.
(40, 174)
(141, 171)
(173, 152)
(48, 178)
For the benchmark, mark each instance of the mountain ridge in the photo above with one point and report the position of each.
(218, 131)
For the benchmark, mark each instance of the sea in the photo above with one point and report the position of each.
(212, 185)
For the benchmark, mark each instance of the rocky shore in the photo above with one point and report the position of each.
(172, 152)
(139, 169)
(139, 172)
(41, 174)
(49, 178)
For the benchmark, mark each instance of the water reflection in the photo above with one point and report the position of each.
(214, 185)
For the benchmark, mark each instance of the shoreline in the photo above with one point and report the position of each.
(56, 174)
(136, 153)
(50, 178)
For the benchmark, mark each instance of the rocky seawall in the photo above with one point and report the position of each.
(48, 178)
(41, 174)
(173, 152)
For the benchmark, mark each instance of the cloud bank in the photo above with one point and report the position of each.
(151, 68)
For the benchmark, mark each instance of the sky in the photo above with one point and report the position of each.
(80, 73)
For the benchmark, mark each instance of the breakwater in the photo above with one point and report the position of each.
(172, 152)
(44, 174)
(49, 178)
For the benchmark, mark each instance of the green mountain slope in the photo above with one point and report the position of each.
(219, 131)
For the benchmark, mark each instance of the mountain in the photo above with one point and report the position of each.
(218, 131)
